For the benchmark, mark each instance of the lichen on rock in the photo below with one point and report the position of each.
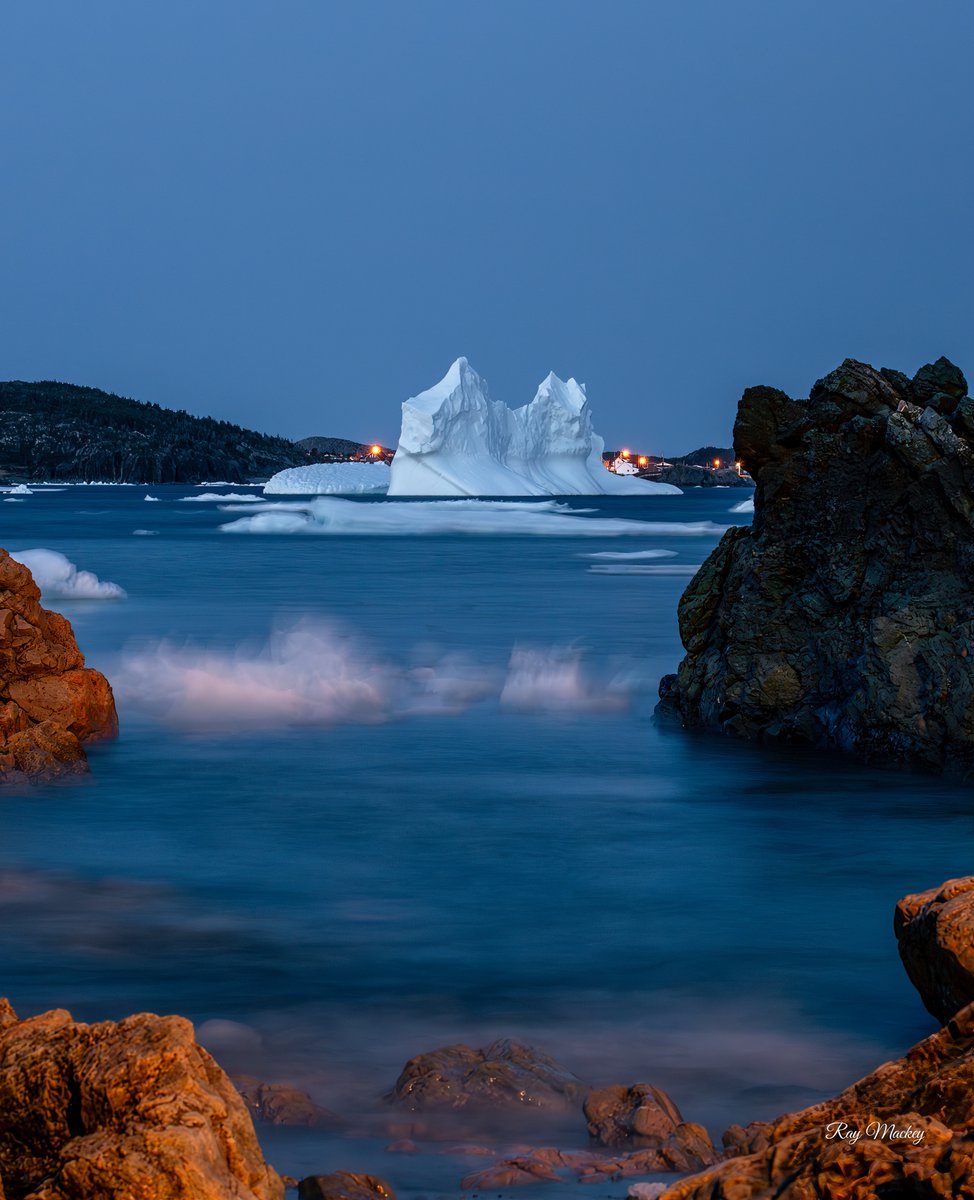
(841, 618)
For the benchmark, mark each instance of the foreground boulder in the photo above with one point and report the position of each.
(935, 930)
(121, 1111)
(506, 1074)
(842, 617)
(641, 1115)
(344, 1185)
(50, 702)
(905, 1130)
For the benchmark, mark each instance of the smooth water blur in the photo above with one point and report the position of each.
(486, 848)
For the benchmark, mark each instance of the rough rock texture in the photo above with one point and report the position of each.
(842, 617)
(641, 1115)
(282, 1104)
(935, 930)
(49, 701)
(505, 1074)
(688, 1149)
(930, 1092)
(133, 1110)
(344, 1185)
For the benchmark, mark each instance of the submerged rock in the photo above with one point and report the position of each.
(50, 702)
(905, 1130)
(128, 1109)
(283, 1104)
(935, 931)
(841, 617)
(506, 1074)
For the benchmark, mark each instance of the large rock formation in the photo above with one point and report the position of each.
(915, 1124)
(935, 930)
(121, 1111)
(50, 702)
(842, 617)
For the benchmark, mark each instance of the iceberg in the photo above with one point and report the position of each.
(456, 441)
(329, 479)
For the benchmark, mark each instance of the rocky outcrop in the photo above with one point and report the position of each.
(641, 1115)
(344, 1185)
(506, 1074)
(688, 1149)
(905, 1130)
(841, 617)
(50, 702)
(935, 931)
(686, 475)
(128, 1109)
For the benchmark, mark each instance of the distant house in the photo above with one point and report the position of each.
(623, 465)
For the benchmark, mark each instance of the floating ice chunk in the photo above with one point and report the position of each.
(631, 554)
(213, 497)
(456, 441)
(324, 479)
(745, 506)
(57, 576)
(152, 498)
(20, 490)
(425, 517)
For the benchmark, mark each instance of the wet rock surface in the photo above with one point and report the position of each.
(344, 1185)
(935, 931)
(641, 1115)
(841, 618)
(504, 1075)
(50, 702)
(914, 1118)
(132, 1109)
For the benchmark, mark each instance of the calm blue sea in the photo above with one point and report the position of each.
(378, 793)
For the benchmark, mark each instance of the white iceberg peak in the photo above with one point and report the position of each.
(456, 441)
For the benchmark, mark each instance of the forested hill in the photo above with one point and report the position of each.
(61, 431)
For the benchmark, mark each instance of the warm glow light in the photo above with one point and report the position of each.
(376, 449)
(643, 461)
(716, 462)
(625, 454)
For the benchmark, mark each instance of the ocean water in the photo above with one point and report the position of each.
(381, 788)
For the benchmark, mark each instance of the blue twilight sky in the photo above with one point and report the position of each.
(294, 214)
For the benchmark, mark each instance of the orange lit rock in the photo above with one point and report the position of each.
(49, 701)
(935, 931)
(132, 1109)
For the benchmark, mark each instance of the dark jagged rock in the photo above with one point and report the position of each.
(61, 431)
(935, 931)
(50, 702)
(841, 617)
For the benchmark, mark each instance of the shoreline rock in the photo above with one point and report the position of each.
(129, 1108)
(841, 617)
(50, 702)
(935, 932)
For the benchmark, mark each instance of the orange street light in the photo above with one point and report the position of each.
(643, 460)
(625, 454)
(376, 449)
(717, 462)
